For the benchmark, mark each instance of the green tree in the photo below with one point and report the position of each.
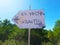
(56, 31)
(16, 33)
(38, 36)
(5, 28)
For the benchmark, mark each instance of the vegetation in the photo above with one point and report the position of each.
(10, 34)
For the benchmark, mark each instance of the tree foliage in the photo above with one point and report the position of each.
(10, 34)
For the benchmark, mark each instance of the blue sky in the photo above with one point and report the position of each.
(9, 8)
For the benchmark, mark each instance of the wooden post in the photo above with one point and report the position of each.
(29, 29)
(29, 36)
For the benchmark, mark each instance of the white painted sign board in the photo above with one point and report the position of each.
(29, 19)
